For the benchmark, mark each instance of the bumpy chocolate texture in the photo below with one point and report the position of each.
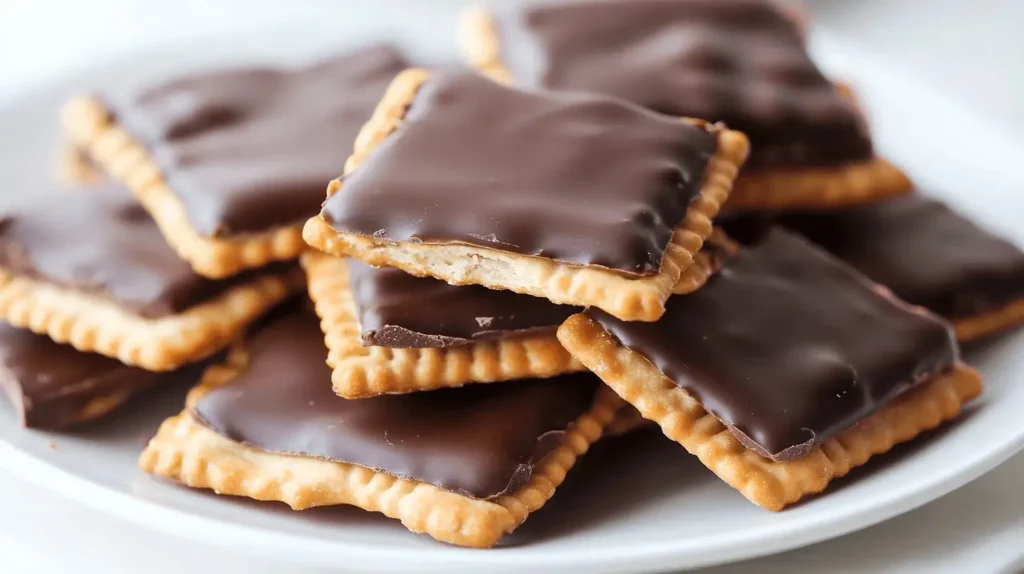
(252, 150)
(53, 385)
(788, 346)
(480, 441)
(925, 252)
(742, 62)
(400, 310)
(100, 241)
(534, 173)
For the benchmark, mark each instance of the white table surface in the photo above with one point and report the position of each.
(970, 50)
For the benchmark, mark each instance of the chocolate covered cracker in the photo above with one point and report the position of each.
(740, 62)
(389, 332)
(231, 163)
(465, 465)
(929, 255)
(833, 369)
(399, 310)
(91, 269)
(56, 387)
(473, 182)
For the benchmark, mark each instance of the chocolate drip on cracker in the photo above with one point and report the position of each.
(789, 347)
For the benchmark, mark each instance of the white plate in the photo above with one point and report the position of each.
(636, 505)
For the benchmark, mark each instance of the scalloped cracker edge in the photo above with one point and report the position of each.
(360, 371)
(186, 451)
(90, 126)
(980, 326)
(92, 324)
(625, 297)
(770, 484)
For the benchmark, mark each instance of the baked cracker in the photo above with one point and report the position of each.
(628, 298)
(360, 371)
(770, 484)
(90, 127)
(198, 457)
(760, 190)
(94, 325)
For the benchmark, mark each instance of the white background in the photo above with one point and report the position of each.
(971, 50)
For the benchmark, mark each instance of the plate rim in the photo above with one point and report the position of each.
(717, 549)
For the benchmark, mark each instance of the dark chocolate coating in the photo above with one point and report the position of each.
(252, 150)
(396, 309)
(99, 240)
(583, 179)
(925, 252)
(742, 62)
(479, 440)
(51, 384)
(788, 346)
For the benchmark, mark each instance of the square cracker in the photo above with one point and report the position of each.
(89, 127)
(766, 189)
(198, 457)
(629, 298)
(770, 484)
(360, 371)
(94, 325)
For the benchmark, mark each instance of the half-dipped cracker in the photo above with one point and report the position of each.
(785, 371)
(56, 387)
(465, 466)
(743, 62)
(91, 269)
(473, 182)
(231, 163)
(929, 255)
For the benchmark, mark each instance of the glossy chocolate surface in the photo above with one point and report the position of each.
(582, 179)
(478, 440)
(788, 346)
(742, 62)
(399, 310)
(924, 251)
(51, 385)
(251, 150)
(99, 240)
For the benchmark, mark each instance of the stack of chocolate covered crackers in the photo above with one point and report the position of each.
(516, 260)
